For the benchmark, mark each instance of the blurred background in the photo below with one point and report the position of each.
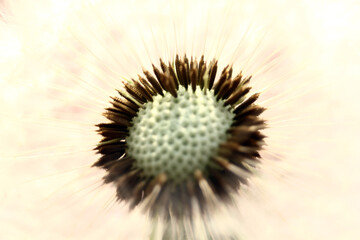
(61, 60)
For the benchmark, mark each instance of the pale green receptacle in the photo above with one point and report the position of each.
(178, 135)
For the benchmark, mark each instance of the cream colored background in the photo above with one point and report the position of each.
(57, 69)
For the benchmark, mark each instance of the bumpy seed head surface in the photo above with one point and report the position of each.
(178, 135)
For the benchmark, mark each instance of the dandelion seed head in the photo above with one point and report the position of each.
(181, 138)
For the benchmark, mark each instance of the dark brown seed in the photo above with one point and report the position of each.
(173, 75)
(135, 93)
(201, 73)
(250, 111)
(110, 148)
(246, 103)
(147, 85)
(186, 70)
(222, 80)
(117, 116)
(233, 86)
(223, 89)
(113, 134)
(212, 73)
(143, 91)
(121, 107)
(159, 75)
(193, 75)
(127, 98)
(170, 84)
(179, 71)
(154, 83)
(138, 193)
(238, 94)
(163, 66)
(126, 182)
